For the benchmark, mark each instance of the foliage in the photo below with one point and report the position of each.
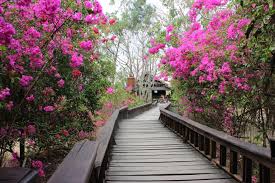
(224, 62)
(52, 75)
(113, 99)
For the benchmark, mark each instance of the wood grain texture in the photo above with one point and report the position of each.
(78, 164)
(17, 175)
(146, 151)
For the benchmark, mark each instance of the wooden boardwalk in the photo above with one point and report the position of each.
(146, 151)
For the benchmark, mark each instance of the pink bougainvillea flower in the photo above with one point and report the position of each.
(169, 28)
(129, 88)
(25, 80)
(37, 164)
(99, 123)
(57, 136)
(65, 133)
(86, 45)
(112, 21)
(113, 38)
(61, 83)
(254, 5)
(31, 129)
(76, 60)
(88, 4)
(80, 87)
(15, 156)
(57, 75)
(96, 31)
(97, 7)
(31, 142)
(83, 135)
(110, 90)
(254, 179)
(9, 105)
(76, 73)
(109, 105)
(4, 93)
(49, 108)
(77, 16)
(41, 172)
(3, 132)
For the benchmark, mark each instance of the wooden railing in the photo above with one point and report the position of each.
(236, 157)
(88, 160)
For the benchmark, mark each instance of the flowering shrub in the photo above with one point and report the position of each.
(115, 99)
(48, 57)
(221, 66)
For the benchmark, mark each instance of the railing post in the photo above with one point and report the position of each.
(201, 145)
(222, 155)
(196, 143)
(272, 149)
(187, 131)
(213, 149)
(192, 136)
(247, 170)
(206, 146)
(264, 174)
(233, 162)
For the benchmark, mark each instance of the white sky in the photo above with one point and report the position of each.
(107, 8)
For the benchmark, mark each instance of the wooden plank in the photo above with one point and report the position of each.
(167, 177)
(157, 153)
(193, 181)
(149, 147)
(170, 157)
(17, 175)
(252, 151)
(137, 141)
(159, 160)
(161, 168)
(146, 151)
(165, 172)
(77, 165)
(159, 164)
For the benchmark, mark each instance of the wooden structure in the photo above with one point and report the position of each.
(141, 149)
(146, 151)
(159, 89)
(155, 87)
(18, 175)
(224, 150)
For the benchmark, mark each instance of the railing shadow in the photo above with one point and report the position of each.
(232, 151)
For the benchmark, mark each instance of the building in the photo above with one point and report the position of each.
(157, 89)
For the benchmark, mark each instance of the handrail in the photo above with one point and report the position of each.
(106, 137)
(96, 153)
(78, 165)
(206, 140)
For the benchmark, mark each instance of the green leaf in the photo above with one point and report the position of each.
(270, 2)
(272, 48)
(3, 48)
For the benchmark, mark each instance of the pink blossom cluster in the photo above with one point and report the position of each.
(4, 93)
(155, 49)
(228, 121)
(25, 80)
(86, 45)
(77, 60)
(110, 90)
(39, 165)
(38, 39)
(207, 57)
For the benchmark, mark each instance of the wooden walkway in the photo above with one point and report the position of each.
(146, 151)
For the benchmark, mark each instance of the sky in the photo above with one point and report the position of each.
(107, 8)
